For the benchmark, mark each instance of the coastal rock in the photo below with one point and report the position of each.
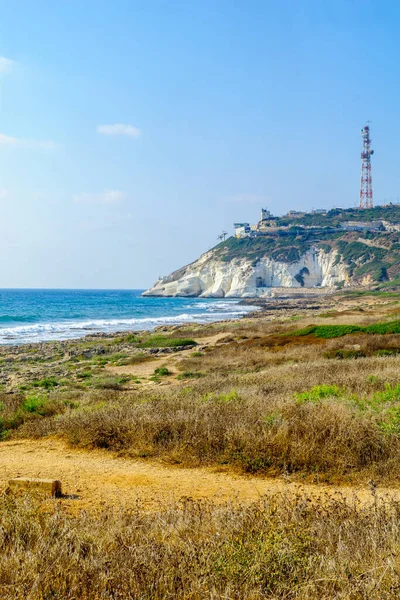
(211, 277)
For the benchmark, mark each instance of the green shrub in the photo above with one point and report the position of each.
(319, 392)
(116, 357)
(327, 331)
(100, 361)
(189, 375)
(272, 418)
(221, 398)
(84, 374)
(48, 383)
(112, 383)
(162, 371)
(136, 359)
(391, 422)
(163, 341)
(388, 352)
(383, 328)
(344, 354)
(227, 398)
(35, 404)
(389, 394)
(333, 331)
(132, 338)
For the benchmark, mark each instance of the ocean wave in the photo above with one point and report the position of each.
(68, 329)
(17, 318)
(218, 305)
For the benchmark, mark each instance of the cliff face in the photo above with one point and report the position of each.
(246, 277)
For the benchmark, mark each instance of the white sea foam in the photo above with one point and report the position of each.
(213, 311)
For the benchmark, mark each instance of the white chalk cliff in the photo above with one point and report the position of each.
(209, 276)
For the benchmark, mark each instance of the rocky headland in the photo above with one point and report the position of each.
(342, 248)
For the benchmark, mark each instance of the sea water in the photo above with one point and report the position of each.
(39, 315)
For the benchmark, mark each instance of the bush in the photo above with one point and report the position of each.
(135, 359)
(163, 341)
(48, 383)
(343, 353)
(333, 331)
(388, 352)
(132, 338)
(112, 383)
(162, 371)
(319, 392)
(190, 375)
(35, 404)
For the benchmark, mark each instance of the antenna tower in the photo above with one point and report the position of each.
(366, 195)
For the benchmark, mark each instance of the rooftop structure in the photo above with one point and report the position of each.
(265, 214)
(362, 226)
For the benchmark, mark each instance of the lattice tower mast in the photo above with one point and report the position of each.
(366, 195)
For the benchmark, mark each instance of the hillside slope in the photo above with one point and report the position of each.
(295, 253)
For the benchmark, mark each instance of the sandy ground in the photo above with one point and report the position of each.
(171, 361)
(101, 480)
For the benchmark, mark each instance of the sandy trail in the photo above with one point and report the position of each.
(146, 369)
(102, 480)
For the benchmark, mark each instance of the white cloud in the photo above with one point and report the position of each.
(8, 140)
(119, 129)
(6, 64)
(4, 193)
(106, 197)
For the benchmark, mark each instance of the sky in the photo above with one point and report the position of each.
(132, 133)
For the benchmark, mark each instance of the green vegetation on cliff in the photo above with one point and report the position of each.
(332, 218)
(371, 255)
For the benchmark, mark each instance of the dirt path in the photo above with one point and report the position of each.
(101, 479)
(146, 369)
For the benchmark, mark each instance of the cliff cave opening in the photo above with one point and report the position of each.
(260, 282)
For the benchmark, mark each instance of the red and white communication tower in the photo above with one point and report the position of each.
(366, 196)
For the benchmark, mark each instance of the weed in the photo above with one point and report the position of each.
(319, 392)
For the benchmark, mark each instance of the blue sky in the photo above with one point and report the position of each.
(133, 132)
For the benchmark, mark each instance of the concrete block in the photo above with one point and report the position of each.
(49, 487)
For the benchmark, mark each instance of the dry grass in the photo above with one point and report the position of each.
(244, 411)
(277, 548)
(266, 402)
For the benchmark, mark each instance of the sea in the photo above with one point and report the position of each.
(28, 316)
